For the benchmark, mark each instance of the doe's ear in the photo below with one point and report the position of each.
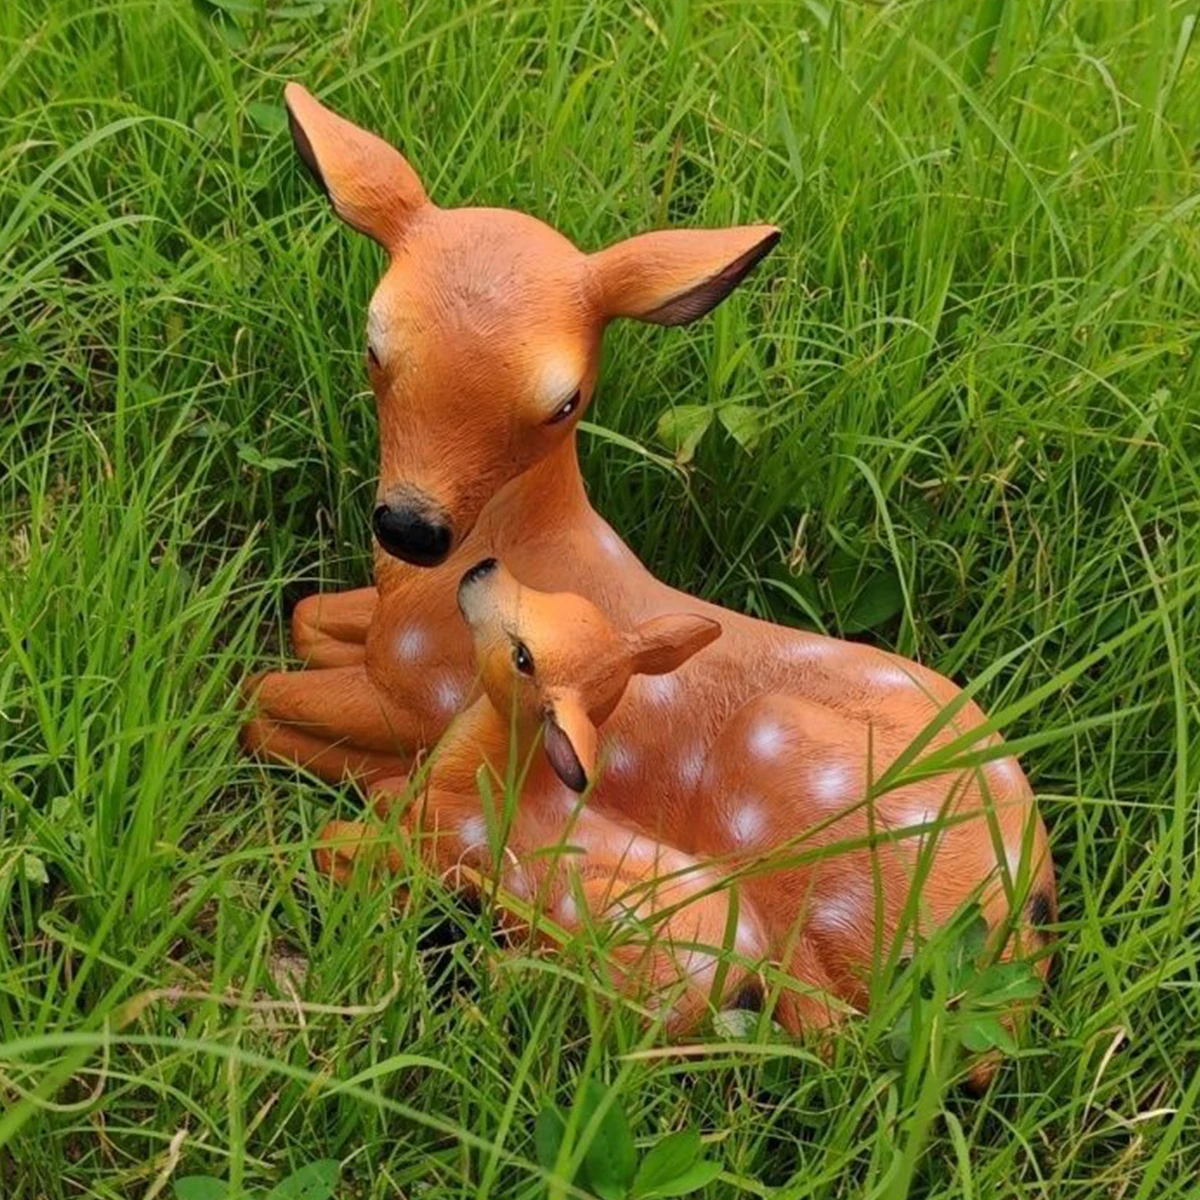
(369, 183)
(570, 740)
(662, 644)
(676, 275)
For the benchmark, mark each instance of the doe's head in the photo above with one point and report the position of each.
(554, 659)
(483, 336)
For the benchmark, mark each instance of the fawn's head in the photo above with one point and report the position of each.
(555, 660)
(483, 336)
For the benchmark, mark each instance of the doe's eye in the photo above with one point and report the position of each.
(522, 659)
(565, 409)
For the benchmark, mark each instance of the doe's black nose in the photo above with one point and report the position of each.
(411, 536)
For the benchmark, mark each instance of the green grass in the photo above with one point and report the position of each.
(973, 374)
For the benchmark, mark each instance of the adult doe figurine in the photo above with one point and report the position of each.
(483, 345)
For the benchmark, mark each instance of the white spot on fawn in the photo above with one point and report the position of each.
(516, 881)
(620, 761)
(473, 833)
(746, 943)
(700, 967)
(448, 694)
(691, 767)
(568, 910)
(410, 645)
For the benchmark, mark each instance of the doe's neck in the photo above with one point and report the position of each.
(551, 492)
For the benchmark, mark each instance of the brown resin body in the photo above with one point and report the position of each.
(484, 338)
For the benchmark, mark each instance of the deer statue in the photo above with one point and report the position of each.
(814, 894)
(483, 347)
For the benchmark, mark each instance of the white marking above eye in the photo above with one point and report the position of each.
(558, 383)
(376, 331)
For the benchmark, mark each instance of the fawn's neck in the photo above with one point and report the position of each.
(481, 736)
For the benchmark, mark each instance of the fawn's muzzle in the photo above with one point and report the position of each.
(416, 536)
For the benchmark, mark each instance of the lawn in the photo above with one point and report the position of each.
(954, 413)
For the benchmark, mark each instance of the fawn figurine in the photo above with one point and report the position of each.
(483, 349)
(814, 897)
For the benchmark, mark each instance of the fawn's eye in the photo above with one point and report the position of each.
(522, 659)
(372, 357)
(565, 409)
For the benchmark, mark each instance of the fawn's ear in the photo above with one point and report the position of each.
(369, 183)
(570, 740)
(662, 644)
(674, 276)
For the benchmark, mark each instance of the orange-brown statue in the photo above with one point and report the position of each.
(483, 345)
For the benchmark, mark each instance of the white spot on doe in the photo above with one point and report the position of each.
(659, 689)
(766, 738)
(608, 541)
(691, 767)
(1005, 777)
(1015, 859)
(831, 783)
(808, 650)
(620, 761)
(411, 643)
(890, 678)
(929, 815)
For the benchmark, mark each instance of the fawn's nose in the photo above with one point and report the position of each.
(408, 533)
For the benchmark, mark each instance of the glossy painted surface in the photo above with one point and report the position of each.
(484, 338)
